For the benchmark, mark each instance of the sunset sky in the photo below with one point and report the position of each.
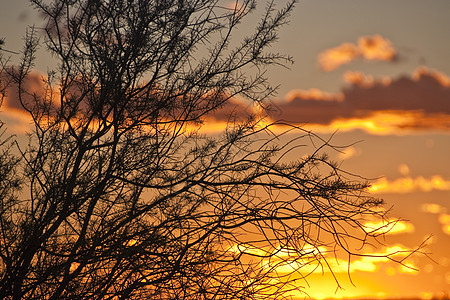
(378, 73)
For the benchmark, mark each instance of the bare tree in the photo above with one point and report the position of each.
(122, 198)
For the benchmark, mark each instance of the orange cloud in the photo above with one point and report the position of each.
(17, 121)
(333, 58)
(376, 48)
(443, 79)
(403, 169)
(313, 94)
(349, 152)
(444, 217)
(368, 47)
(369, 262)
(360, 79)
(409, 185)
(33, 84)
(433, 208)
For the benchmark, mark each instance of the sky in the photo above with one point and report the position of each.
(376, 74)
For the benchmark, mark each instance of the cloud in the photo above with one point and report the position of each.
(386, 105)
(363, 80)
(442, 78)
(313, 94)
(358, 78)
(234, 109)
(333, 58)
(444, 217)
(33, 84)
(376, 48)
(433, 208)
(349, 152)
(368, 47)
(409, 185)
(16, 121)
(403, 169)
(420, 101)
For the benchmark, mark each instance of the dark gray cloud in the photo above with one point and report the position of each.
(426, 92)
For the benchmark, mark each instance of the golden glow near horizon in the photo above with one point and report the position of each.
(319, 272)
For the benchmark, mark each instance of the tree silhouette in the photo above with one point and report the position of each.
(121, 197)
